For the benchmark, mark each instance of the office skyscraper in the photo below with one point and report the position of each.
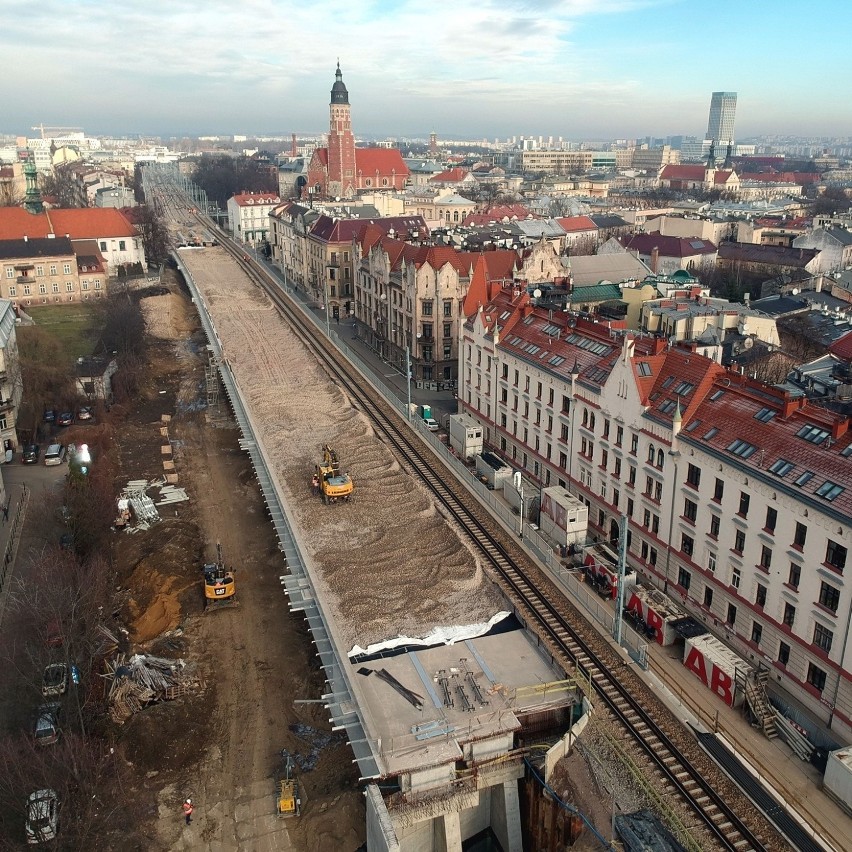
(720, 126)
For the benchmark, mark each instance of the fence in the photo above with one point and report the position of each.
(12, 542)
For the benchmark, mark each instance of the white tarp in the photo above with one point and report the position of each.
(448, 635)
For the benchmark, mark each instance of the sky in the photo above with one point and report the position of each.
(580, 69)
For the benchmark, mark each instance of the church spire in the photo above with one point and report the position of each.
(32, 199)
(339, 95)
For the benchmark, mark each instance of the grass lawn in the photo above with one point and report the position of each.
(76, 327)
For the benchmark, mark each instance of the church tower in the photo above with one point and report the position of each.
(341, 142)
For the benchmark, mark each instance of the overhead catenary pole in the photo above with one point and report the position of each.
(408, 378)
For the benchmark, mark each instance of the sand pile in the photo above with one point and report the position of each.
(166, 317)
(389, 562)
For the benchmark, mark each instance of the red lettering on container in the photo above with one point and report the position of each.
(695, 663)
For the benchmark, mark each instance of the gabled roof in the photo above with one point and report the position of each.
(604, 222)
(775, 255)
(382, 161)
(678, 247)
(499, 213)
(79, 224)
(450, 175)
(842, 348)
(253, 199)
(680, 378)
(572, 224)
(332, 230)
(89, 257)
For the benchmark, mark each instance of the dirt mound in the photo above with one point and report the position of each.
(168, 316)
(164, 583)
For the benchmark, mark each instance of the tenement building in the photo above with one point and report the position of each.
(738, 494)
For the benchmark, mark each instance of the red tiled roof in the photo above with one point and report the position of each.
(332, 230)
(842, 347)
(499, 213)
(252, 199)
(449, 176)
(385, 161)
(491, 268)
(572, 224)
(693, 173)
(88, 223)
(784, 177)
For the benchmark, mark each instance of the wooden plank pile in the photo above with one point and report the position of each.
(142, 679)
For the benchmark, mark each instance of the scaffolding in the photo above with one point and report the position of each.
(211, 378)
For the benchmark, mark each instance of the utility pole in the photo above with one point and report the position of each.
(408, 379)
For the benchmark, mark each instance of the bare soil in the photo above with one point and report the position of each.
(221, 746)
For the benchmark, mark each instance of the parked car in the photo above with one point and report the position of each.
(431, 424)
(54, 454)
(65, 418)
(55, 680)
(84, 412)
(53, 635)
(30, 454)
(49, 415)
(42, 816)
(66, 541)
(46, 727)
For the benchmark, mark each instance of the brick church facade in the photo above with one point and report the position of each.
(341, 170)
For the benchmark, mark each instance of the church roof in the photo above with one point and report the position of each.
(381, 161)
(339, 95)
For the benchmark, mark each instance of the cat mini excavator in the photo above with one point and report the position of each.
(333, 484)
(220, 590)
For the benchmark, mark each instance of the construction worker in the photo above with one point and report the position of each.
(315, 484)
(187, 810)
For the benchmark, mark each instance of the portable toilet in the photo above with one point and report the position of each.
(425, 411)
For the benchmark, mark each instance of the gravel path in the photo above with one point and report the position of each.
(389, 563)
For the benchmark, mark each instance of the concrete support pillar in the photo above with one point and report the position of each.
(448, 833)
(506, 816)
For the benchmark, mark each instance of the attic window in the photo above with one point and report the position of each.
(716, 394)
(654, 396)
(712, 432)
(829, 490)
(668, 381)
(644, 368)
(668, 406)
(532, 349)
(684, 388)
(516, 341)
(846, 452)
(813, 434)
(550, 330)
(697, 244)
(529, 320)
(781, 467)
(805, 477)
(693, 426)
(764, 415)
(742, 448)
(556, 360)
(505, 315)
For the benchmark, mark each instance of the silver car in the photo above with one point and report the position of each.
(42, 816)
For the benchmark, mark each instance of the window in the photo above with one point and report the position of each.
(745, 499)
(829, 597)
(736, 577)
(448, 306)
(651, 454)
(631, 476)
(604, 459)
(835, 555)
(823, 637)
(764, 415)
(646, 518)
(800, 536)
(448, 329)
(40, 270)
(690, 510)
(771, 519)
(783, 653)
(741, 448)
(781, 467)
(634, 444)
(813, 434)
(756, 632)
(789, 617)
(708, 597)
(658, 491)
(718, 490)
(711, 562)
(69, 286)
(687, 544)
(829, 490)
(427, 307)
(66, 268)
(739, 541)
(794, 576)
(760, 595)
(53, 267)
(606, 429)
(816, 677)
(10, 272)
(619, 435)
(617, 468)
(684, 578)
(765, 557)
(804, 478)
(715, 523)
(693, 476)
(732, 615)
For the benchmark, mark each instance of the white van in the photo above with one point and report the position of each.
(55, 454)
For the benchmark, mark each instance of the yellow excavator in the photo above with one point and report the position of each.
(329, 480)
(288, 799)
(219, 587)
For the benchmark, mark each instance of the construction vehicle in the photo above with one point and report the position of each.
(333, 484)
(219, 586)
(288, 802)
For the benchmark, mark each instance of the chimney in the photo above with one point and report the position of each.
(655, 259)
(26, 238)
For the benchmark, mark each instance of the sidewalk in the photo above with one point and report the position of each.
(11, 523)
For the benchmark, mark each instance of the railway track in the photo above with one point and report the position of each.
(679, 778)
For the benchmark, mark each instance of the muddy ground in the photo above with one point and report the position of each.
(220, 746)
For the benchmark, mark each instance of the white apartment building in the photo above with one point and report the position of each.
(739, 496)
(248, 215)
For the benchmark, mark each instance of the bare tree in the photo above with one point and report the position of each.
(10, 195)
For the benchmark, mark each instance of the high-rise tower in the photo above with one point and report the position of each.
(720, 125)
(341, 142)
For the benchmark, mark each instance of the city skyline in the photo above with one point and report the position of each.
(497, 68)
